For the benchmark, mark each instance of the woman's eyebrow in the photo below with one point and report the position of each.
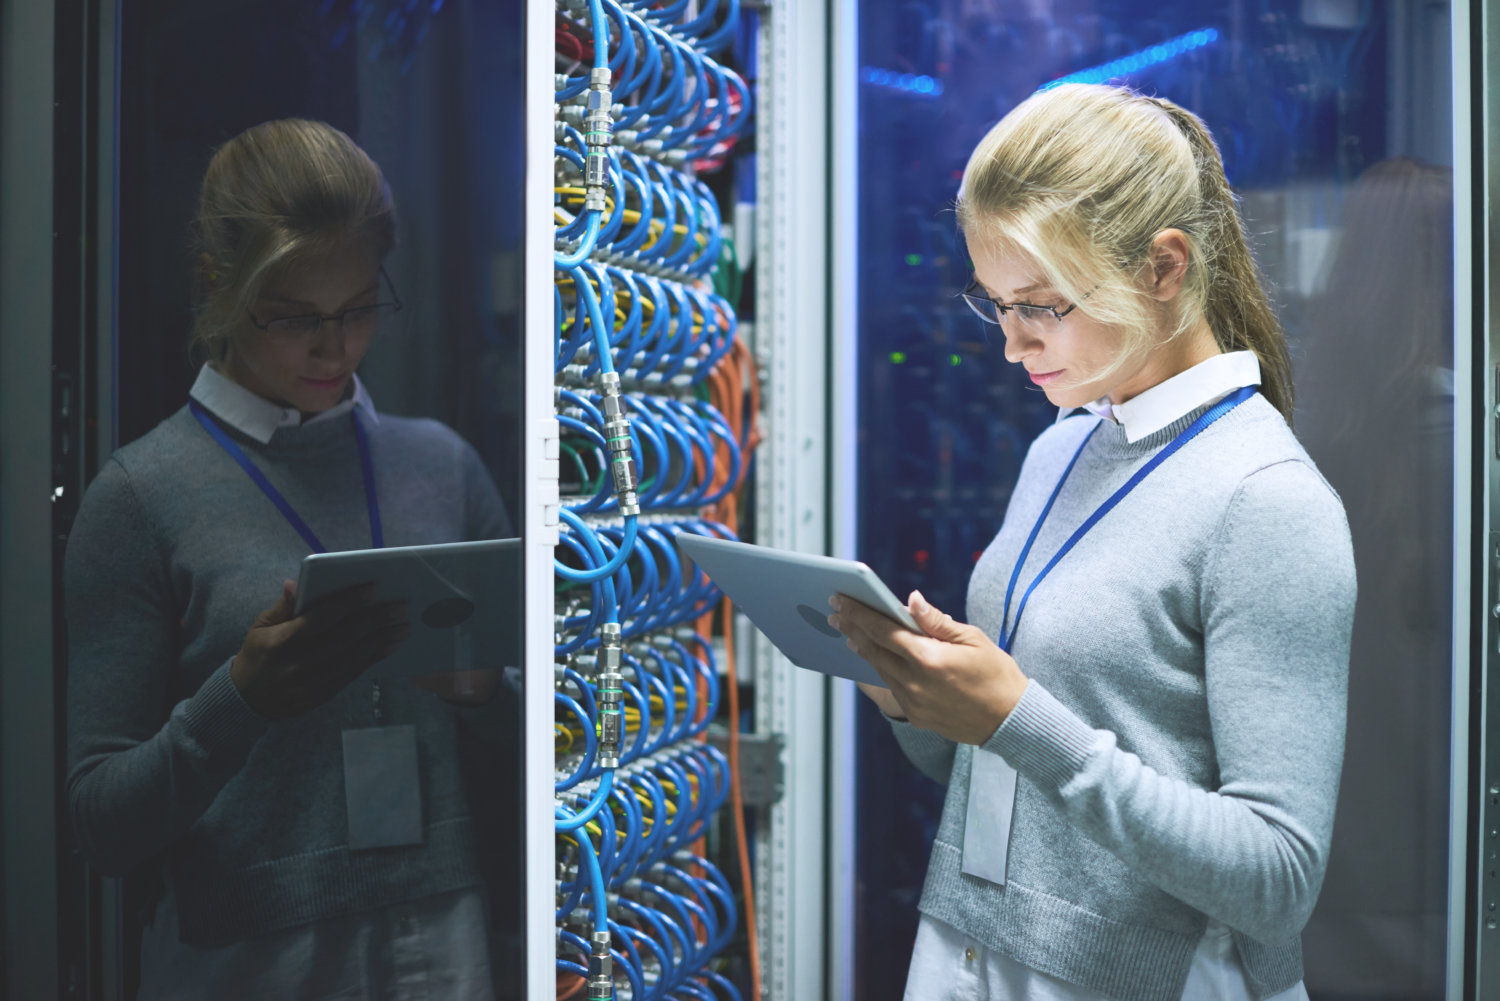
(1029, 288)
(287, 300)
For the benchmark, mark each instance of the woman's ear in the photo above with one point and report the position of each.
(1169, 263)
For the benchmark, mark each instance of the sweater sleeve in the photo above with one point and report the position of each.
(141, 771)
(484, 509)
(933, 755)
(1278, 604)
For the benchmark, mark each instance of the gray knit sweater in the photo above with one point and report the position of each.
(1180, 742)
(173, 554)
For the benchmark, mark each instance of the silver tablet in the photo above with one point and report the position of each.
(464, 601)
(786, 595)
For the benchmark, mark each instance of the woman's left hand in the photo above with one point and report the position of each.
(953, 681)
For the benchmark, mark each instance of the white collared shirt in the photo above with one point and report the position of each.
(1171, 399)
(257, 416)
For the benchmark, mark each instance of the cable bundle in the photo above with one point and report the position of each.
(680, 103)
(651, 405)
(661, 333)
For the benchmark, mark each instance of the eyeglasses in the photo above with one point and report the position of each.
(992, 310)
(359, 320)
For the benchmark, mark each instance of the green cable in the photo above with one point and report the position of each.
(583, 471)
(737, 287)
(729, 281)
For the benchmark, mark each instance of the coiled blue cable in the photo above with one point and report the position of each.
(565, 262)
(590, 746)
(572, 822)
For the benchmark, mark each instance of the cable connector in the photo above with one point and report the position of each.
(598, 131)
(617, 433)
(608, 695)
(601, 969)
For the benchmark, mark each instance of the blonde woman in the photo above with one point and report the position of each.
(224, 744)
(1142, 729)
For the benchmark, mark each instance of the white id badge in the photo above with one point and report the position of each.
(992, 801)
(382, 787)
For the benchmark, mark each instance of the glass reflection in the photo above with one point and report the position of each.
(299, 803)
(1377, 417)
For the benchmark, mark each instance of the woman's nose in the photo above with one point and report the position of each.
(1020, 343)
(329, 340)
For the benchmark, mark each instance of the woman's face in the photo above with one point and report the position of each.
(1062, 357)
(310, 372)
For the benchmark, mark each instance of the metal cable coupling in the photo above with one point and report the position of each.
(598, 130)
(601, 968)
(609, 693)
(617, 433)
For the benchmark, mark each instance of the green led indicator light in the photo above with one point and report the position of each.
(898, 357)
(913, 259)
(955, 360)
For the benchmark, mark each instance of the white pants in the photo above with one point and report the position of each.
(947, 965)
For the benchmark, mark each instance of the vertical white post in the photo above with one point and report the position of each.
(1462, 905)
(843, 289)
(539, 492)
(792, 341)
(28, 794)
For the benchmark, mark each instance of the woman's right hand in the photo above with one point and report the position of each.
(883, 698)
(291, 664)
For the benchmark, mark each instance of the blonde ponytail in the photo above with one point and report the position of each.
(1080, 179)
(1237, 309)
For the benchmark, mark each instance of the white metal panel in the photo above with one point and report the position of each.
(28, 793)
(843, 288)
(539, 490)
(1466, 535)
(792, 311)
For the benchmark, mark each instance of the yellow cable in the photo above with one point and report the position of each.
(630, 216)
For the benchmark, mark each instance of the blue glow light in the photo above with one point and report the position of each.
(910, 84)
(1137, 61)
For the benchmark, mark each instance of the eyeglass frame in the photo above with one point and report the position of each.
(971, 300)
(335, 317)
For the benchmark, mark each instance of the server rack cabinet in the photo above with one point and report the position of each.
(30, 963)
(629, 139)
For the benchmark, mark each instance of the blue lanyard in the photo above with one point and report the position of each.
(367, 467)
(1188, 434)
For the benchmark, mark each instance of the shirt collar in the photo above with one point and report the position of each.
(1206, 382)
(257, 416)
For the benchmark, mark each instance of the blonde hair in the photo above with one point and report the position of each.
(1081, 178)
(271, 195)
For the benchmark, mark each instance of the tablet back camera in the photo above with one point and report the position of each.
(818, 620)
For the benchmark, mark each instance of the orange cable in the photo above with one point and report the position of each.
(727, 383)
(565, 992)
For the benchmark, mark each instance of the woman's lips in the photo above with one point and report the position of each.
(325, 383)
(1042, 378)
